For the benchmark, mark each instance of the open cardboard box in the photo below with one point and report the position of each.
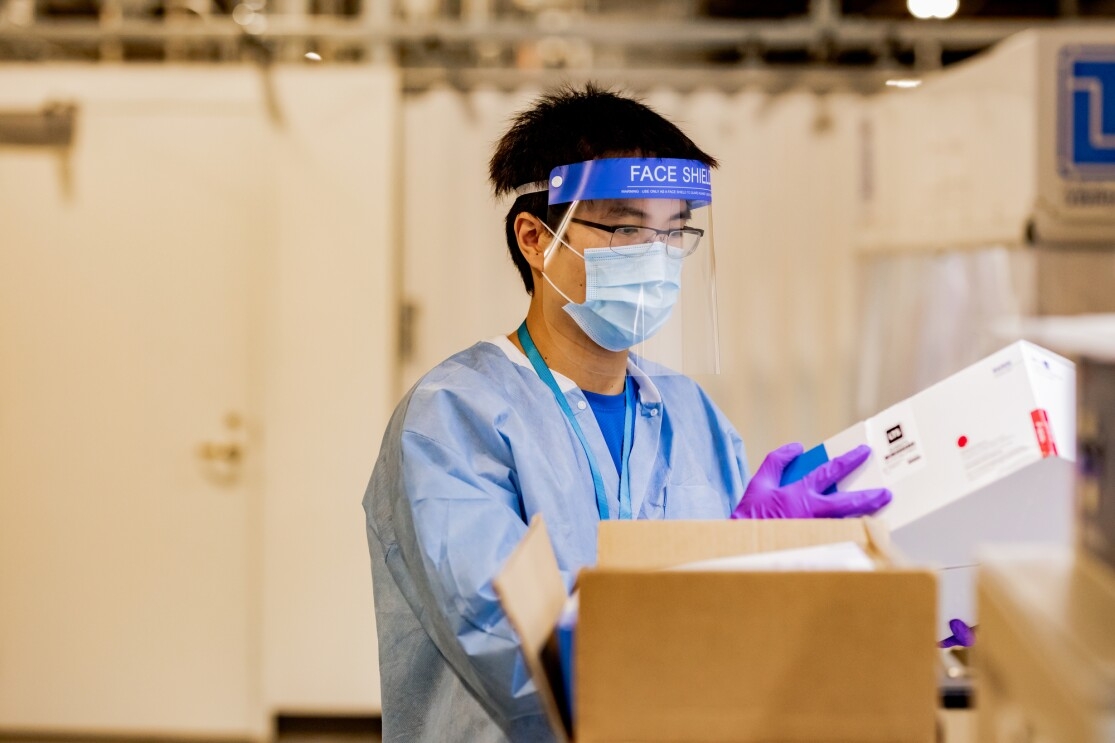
(730, 656)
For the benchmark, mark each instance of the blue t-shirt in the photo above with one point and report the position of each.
(609, 412)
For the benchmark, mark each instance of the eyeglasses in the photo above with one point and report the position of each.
(679, 242)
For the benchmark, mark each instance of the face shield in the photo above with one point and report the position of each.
(630, 264)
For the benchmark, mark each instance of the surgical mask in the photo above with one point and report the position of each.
(629, 294)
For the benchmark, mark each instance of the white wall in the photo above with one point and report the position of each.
(218, 240)
(127, 284)
(329, 371)
(457, 273)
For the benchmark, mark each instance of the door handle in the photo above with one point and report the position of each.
(225, 453)
(222, 460)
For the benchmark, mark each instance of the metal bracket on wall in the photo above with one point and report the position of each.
(52, 125)
(408, 320)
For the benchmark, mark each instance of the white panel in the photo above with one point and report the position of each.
(330, 354)
(456, 267)
(217, 241)
(953, 163)
(128, 281)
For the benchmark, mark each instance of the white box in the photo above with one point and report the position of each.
(984, 456)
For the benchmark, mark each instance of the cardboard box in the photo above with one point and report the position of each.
(984, 456)
(731, 656)
(1096, 486)
(1045, 662)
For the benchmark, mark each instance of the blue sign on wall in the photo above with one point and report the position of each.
(1086, 113)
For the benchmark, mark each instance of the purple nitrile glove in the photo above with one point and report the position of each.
(765, 498)
(962, 635)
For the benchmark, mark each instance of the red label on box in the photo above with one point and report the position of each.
(1044, 432)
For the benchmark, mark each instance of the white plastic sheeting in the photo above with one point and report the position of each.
(927, 315)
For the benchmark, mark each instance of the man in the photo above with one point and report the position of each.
(582, 414)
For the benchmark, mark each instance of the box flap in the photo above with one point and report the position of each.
(882, 548)
(532, 593)
(651, 545)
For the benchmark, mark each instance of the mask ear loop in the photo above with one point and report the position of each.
(556, 289)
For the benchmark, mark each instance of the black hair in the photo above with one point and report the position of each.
(570, 125)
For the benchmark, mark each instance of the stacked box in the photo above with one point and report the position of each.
(1045, 664)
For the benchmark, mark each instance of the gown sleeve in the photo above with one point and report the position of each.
(448, 483)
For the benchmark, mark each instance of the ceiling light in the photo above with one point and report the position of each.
(921, 8)
(925, 9)
(947, 8)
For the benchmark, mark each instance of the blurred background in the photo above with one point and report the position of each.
(233, 233)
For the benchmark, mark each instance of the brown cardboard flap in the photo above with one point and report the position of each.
(651, 545)
(881, 547)
(532, 593)
(803, 657)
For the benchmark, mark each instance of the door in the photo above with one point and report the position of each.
(128, 486)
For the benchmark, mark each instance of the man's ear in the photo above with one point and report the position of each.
(533, 238)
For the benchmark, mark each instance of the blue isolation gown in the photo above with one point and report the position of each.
(476, 448)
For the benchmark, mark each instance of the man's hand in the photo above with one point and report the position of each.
(765, 498)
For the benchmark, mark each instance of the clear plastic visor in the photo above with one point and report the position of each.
(635, 275)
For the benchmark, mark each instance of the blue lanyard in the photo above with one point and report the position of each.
(628, 430)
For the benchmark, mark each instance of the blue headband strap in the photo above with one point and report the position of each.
(632, 178)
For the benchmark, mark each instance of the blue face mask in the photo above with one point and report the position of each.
(629, 294)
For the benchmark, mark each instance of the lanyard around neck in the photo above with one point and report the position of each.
(547, 377)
